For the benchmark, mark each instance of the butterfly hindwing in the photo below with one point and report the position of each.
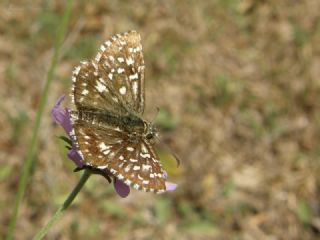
(135, 163)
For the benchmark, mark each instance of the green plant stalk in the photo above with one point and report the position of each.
(43, 231)
(43, 100)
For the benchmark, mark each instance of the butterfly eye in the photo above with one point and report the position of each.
(149, 136)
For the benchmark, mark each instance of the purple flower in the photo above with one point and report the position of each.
(62, 117)
(169, 185)
(122, 189)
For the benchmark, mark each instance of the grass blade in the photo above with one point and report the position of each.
(65, 205)
(43, 100)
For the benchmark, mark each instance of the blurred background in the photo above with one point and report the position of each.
(238, 86)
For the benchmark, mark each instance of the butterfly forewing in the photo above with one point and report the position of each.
(120, 61)
(92, 93)
(108, 93)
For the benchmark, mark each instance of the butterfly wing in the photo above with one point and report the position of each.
(91, 93)
(133, 162)
(114, 80)
(120, 61)
(112, 85)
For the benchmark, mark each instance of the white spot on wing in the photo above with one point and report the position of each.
(127, 168)
(135, 87)
(130, 149)
(122, 42)
(128, 182)
(98, 56)
(145, 181)
(120, 59)
(133, 76)
(144, 149)
(111, 58)
(103, 146)
(102, 167)
(145, 167)
(102, 48)
(140, 68)
(120, 70)
(76, 70)
(130, 61)
(100, 87)
(94, 65)
(146, 155)
(123, 90)
(85, 92)
(106, 152)
(135, 168)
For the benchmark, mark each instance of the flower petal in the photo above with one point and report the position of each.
(75, 157)
(61, 116)
(122, 189)
(170, 186)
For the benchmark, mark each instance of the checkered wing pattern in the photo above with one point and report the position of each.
(108, 93)
(135, 163)
(114, 80)
(92, 93)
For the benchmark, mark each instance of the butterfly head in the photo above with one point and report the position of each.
(150, 131)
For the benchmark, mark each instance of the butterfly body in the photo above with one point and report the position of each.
(108, 93)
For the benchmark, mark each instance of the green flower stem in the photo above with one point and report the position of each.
(27, 165)
(64, 206)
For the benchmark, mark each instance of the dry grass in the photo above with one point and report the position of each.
(239, 88)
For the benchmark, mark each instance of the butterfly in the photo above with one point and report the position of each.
(108, 128)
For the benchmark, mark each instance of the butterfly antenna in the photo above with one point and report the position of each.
(155, 116)
(165, 145)
(170, 150)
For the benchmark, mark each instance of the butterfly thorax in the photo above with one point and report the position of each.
(133, 125)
